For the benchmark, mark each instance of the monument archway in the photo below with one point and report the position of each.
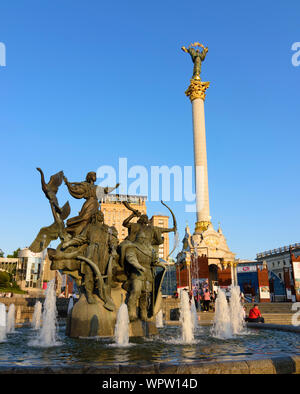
(212, 275)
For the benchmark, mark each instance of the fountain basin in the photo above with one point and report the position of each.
(258, 351)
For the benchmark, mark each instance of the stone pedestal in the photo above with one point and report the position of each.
(90, 320)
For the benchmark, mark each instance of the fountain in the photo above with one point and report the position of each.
(2, 322)
(186, 318)
(122, 326)
(36, 318)
(222, 325)
(70, 305)
(106, 271)
(120, 299)
(229, 319)
(48, 333)
(10, 324)
(194, 314)
(236, 311)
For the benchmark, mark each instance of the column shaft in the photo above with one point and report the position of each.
(200, 161)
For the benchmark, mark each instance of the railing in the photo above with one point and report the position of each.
(277, 251)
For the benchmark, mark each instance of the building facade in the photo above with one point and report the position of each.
(115, 213)
(253, 279)
(9, 264)
(162, 221)
(206, 257)
(281, 275)
(29, 272)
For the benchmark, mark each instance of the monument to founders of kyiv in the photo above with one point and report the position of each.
(205, 240)
(109, 273)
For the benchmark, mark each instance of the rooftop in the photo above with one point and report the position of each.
(124, 197)
(283, 249)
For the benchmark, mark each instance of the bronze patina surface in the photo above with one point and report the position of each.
(107, 273)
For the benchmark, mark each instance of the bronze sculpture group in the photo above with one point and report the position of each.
(90, 251)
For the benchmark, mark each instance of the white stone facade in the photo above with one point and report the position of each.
(278, 259)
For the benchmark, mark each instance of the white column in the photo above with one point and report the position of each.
(200, 161)
(235, 274)
(232, 274)
(196, 93)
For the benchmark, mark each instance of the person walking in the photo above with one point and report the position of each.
(206, 300)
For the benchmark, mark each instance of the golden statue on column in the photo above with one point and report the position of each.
(197, 88)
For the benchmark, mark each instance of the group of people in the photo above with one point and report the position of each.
(3, 295)
(204, 300)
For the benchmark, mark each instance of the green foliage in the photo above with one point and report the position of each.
(4, 278)
(8, 284)
(15, 254)
(4, 289)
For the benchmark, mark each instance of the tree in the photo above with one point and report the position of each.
(4, 278)
(1, 253)
(15, 254)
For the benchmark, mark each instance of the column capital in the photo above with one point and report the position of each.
(197, 89)
(227, 264)
(224, 264)
(201, 226)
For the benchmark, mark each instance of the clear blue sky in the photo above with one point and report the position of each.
(87, 82)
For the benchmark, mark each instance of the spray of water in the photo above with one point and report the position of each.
(10, 324)
(236, 311)
(186, 318)
(222, 326)
(2, 322)
(70, 305)
(122, 326)
(194, 314)
(36, 318)
(48, 333)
